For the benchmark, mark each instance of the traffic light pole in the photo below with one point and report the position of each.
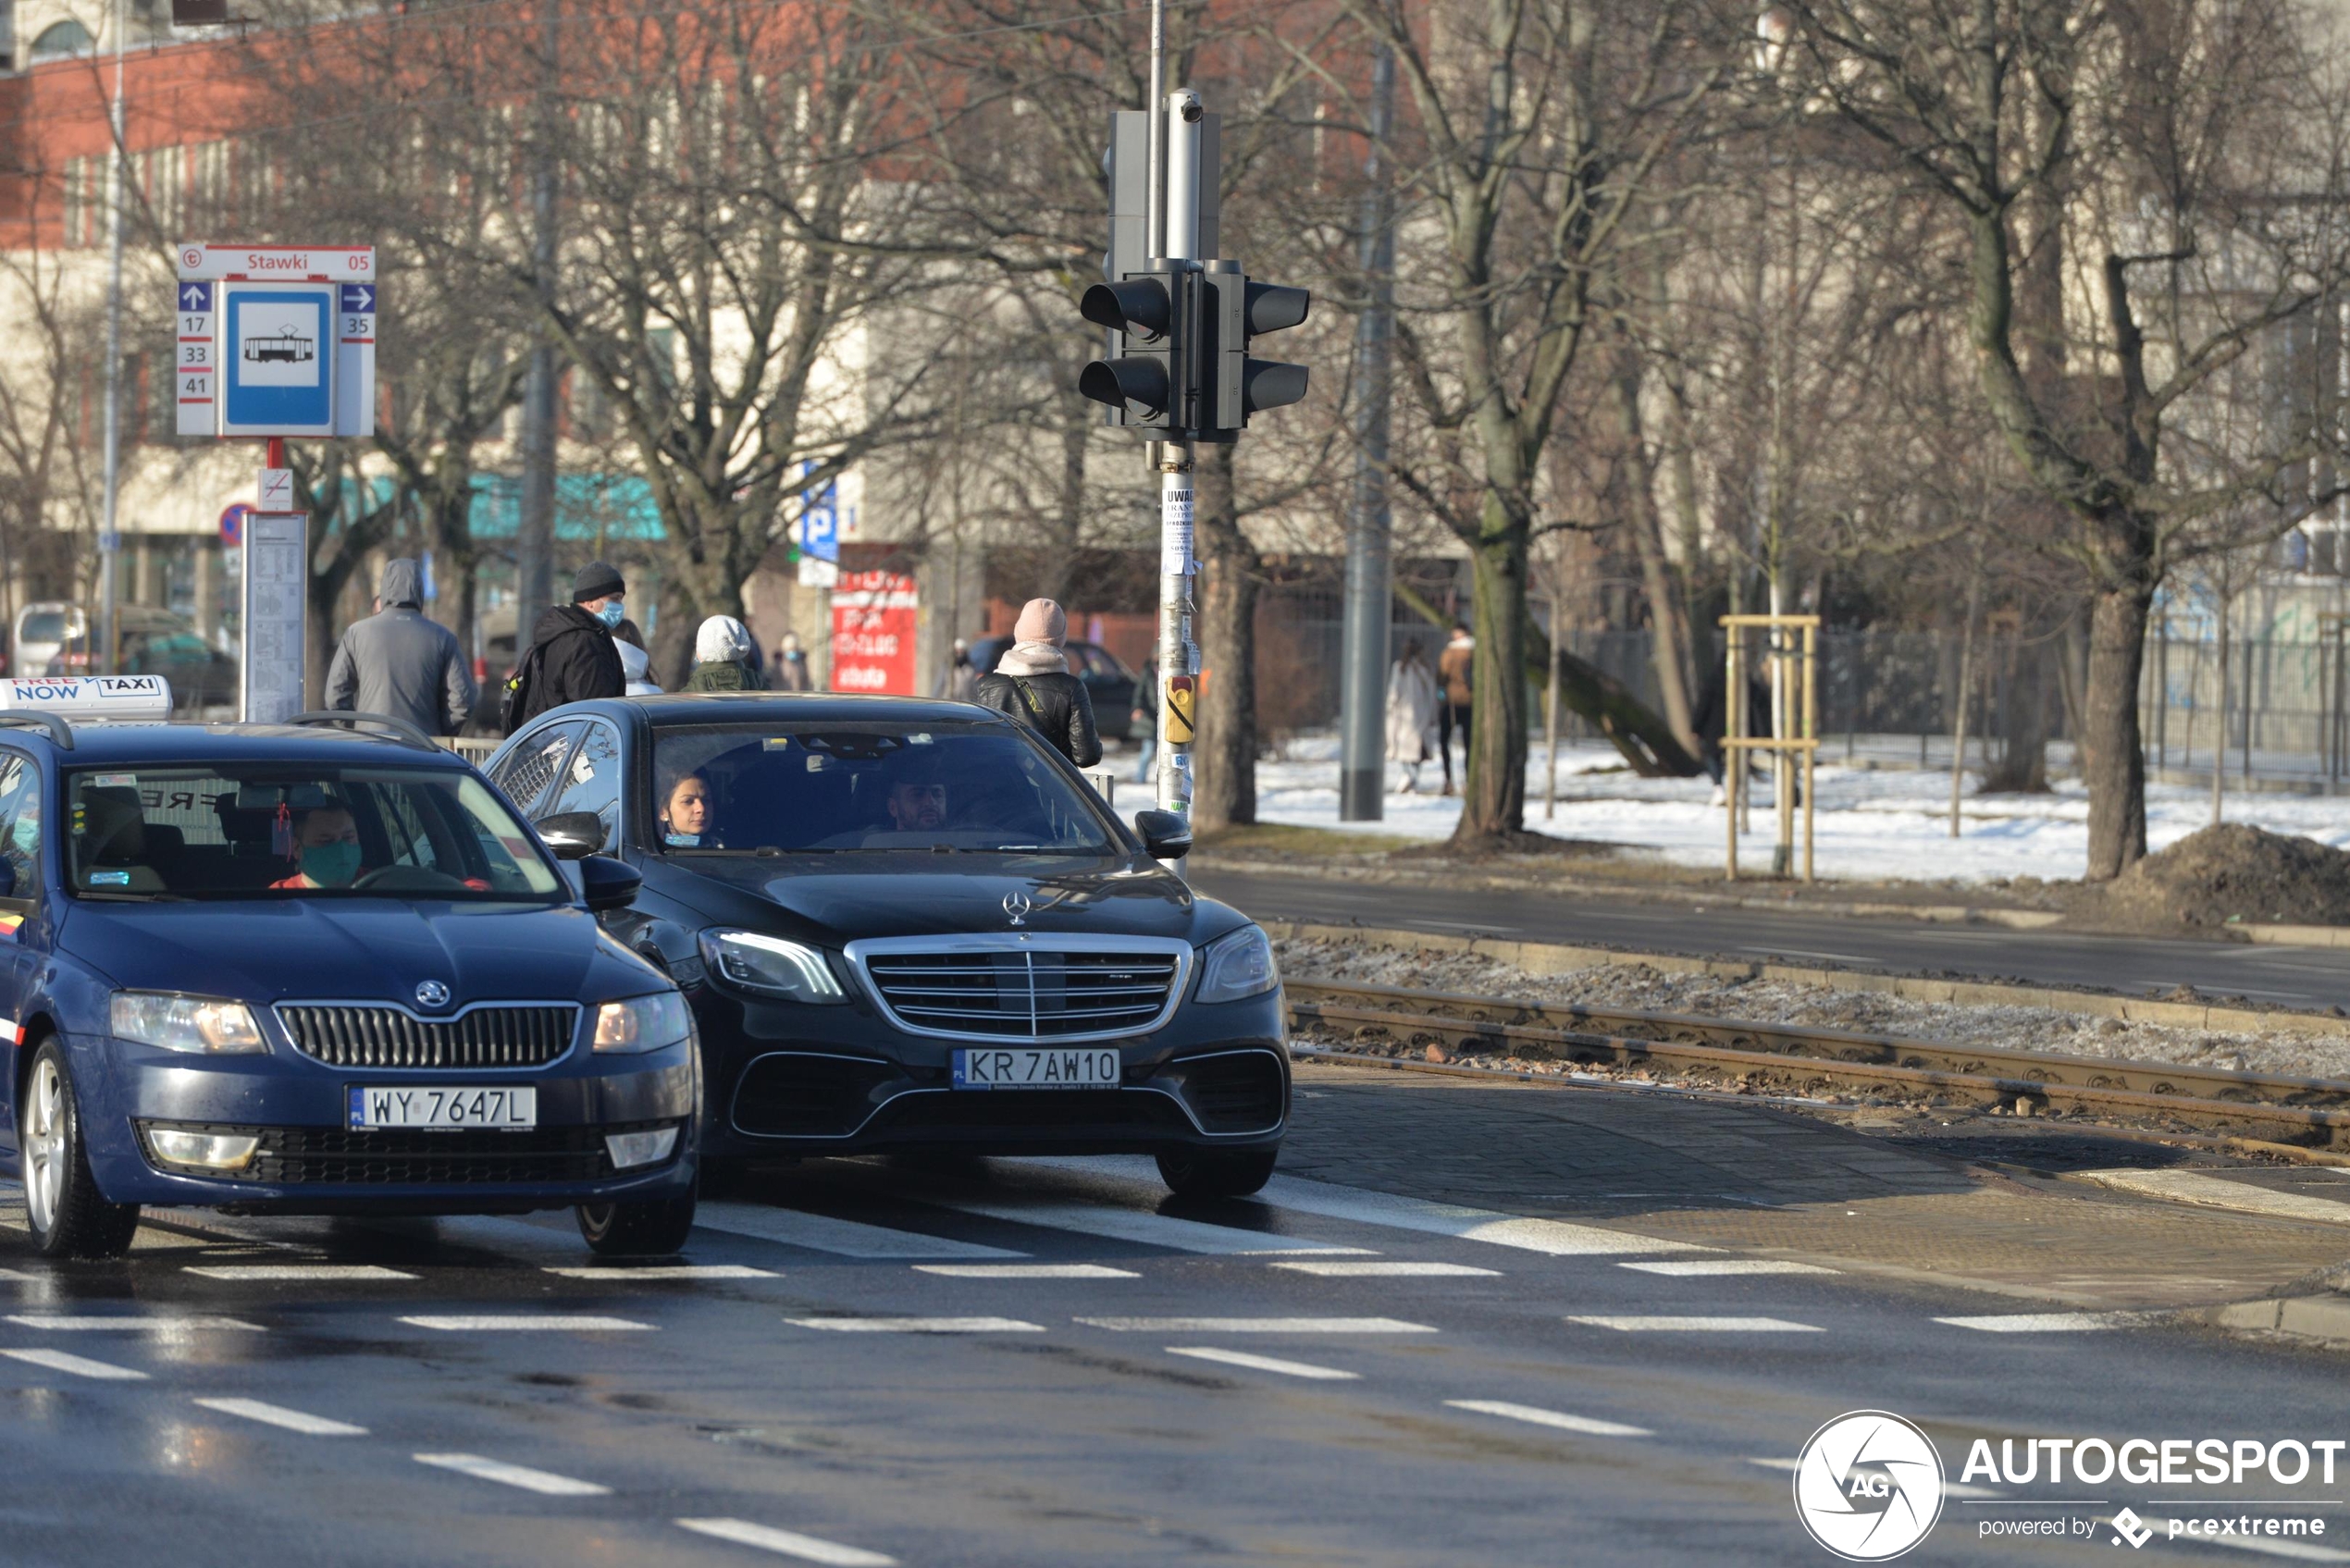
(1176, 127)
(1369, 575)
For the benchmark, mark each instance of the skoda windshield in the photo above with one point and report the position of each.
(260, 830)
(828, 787)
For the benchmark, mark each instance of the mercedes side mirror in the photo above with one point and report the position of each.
(1165, 834)
(606, 884)
(573, 836)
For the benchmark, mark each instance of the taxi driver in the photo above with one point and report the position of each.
(326, 849)
(918, 804)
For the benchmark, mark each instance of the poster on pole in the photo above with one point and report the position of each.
(276, 573)
(874, 622)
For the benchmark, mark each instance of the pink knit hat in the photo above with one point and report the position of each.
(1042, 621)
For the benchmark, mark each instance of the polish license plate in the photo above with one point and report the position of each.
(1026, 1068)
(444, 1110)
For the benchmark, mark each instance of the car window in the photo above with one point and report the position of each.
(294, 830)
(591, 782)
(928, 786)
(525, 773)
(20, 824)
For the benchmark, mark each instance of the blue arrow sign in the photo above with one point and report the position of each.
(195, 296)
(358, 298)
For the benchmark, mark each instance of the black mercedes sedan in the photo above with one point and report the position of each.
(910, 926)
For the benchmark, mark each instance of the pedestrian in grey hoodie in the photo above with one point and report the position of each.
(400, 663)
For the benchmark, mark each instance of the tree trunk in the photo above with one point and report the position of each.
(2112, 760)
(1224, 754)
(2022, 768)
(1668, 641)
(1493, 794)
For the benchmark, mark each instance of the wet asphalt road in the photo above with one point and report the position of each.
(2291, 976)
(1059, 1385)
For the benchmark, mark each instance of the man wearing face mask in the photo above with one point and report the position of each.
(326, 848)
(572, 657)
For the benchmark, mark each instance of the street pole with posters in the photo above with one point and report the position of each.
(104, 656)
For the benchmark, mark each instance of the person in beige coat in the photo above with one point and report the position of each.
(1411, 713)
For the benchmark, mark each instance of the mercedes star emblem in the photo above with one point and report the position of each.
(1017, 905)
(432, 994)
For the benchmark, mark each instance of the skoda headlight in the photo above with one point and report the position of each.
(1237, 966)
(770, 966)
(643, 1023)
(185, 1023)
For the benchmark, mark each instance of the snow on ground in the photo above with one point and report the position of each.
(1871, 824)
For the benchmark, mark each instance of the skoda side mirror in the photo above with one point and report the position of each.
(606, 884)
(1165, 834)
(573, 836)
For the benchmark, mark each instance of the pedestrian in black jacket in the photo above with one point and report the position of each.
(1032, 682)
(572, 656)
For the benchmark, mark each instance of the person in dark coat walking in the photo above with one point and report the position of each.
(571, 657)
(399, 662)
(1033, 683)
(791, 666)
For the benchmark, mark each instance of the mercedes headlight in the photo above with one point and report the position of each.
(1238, 966)
(643, 1023)
(770, 966)
(185, 1023)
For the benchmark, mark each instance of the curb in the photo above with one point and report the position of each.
(2309, 1318)
(1545, 957)
(2296, 936)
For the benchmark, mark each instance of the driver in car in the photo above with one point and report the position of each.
(685, 815)
(918, 804)
(326, 850)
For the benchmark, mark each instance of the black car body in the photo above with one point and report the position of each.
(925, 957)
(1108, 681)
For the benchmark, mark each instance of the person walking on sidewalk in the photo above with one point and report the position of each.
(1455, 667)
(636, 661)
(401, 663)
(791, 666)
(1411, 714)
(1033, 683)
(960, 682)
(723, 657)
(572, 656)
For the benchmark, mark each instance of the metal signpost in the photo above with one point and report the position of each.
(273, 342)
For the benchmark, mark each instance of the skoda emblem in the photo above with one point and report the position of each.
(1017, 905)
(432, 994)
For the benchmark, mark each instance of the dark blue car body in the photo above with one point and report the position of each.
(379, 956)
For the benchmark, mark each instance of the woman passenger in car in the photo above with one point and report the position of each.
(684, 814)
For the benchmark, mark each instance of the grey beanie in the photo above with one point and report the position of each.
(598, 579)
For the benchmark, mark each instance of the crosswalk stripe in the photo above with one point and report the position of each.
(1536, 1415)
(918, 1324)
(1701, 1268)
(1262, 1362)
(291, 1420)
(666, 1271)
(1686, 1325)
(2046, 1322)
(60, 1323)
(1256, 1326)
(843, 1237)
(295, 1271)
(80, 1367)
(1142, 1226)
(788, 1543)
(1553, 1237)
(545, 1482)
(1026, 1271)
(1369, 1270)
(544, 1323)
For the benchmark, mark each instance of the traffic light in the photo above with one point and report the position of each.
(1234, 310)
(1143, 375)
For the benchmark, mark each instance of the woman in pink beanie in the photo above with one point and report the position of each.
(1032, 682)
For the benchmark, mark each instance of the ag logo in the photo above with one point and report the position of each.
(1867, 1486)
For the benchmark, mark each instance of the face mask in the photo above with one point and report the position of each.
(331, 865)
(681, 840)
(612, 614)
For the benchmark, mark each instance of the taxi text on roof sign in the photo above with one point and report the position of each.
(90, 696)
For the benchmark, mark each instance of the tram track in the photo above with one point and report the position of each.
(1803, 1061)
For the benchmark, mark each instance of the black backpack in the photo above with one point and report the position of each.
(518, 688)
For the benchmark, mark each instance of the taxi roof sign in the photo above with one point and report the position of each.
(88, 698)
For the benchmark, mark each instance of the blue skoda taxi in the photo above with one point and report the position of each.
(314, 967)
